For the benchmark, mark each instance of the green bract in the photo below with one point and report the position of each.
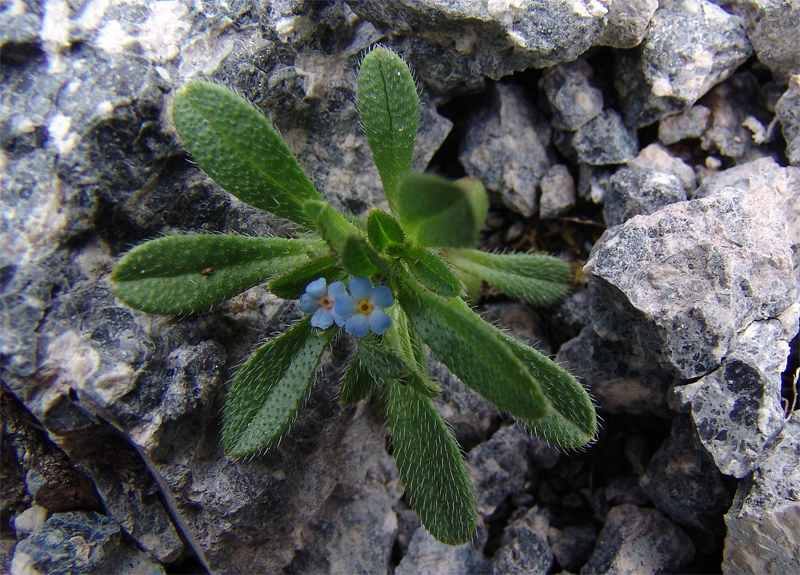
(406, 273)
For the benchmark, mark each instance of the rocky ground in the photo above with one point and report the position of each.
(654, 145)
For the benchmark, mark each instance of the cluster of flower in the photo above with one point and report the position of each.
(357, 312)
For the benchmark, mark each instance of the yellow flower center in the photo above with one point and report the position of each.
(365, 306)
(325, 301)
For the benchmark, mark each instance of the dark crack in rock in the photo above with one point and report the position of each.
(619, 377)
(690, 46)
(80, 543)
(506, 147)
(684, 484)
(636, 540)
(455, 44)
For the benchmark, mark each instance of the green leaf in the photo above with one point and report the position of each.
(478, 198)
(359, 259)
(475, 351)
(573, 421)
(358, 382)
(431, 271)
(235, 144)
(292, 284)
(384, 231)
(537, 278)
(381, 360)
(437, 212)
(268, 390)
(331, 225)
(194, 272)
(389, 107)
(430, 464)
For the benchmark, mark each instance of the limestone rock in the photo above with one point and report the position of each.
(690, 46)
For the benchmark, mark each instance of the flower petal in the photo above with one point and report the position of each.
(379, 321)
(360, 287)
(337, 290)
(358, 325)
(344, 306)
(316, 288)
(308, 303)
(382, 297)
(322, 318)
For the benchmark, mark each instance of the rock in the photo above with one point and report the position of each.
(558, 192)
(772, 29)
(691, 123)
(572, 546)
(524, 547)
(505, 147)
(78, 543)
(29, 521)
(498, 467)
(684, 484)
(656, 158)
(627, 23)
(593, 183)
(678, 284)
(635, 191)
(605, 140)
(690, 46)
(494, 39)
(635, 540)
(735, 130)
(426, 555)
(620, 379)
(573, 99)
(765, 517)
(787, 111)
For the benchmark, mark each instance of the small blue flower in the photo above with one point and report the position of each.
(320, 301)
(364, 310)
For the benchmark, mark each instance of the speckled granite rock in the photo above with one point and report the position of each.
(506, 147)
(524, 547)
(605, 140)
(690, 46)
(636, 191)
(498, 467)
(455, 44)
(765, 518)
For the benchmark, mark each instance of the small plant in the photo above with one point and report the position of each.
(393, 281)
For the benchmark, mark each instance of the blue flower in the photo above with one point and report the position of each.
(364, 310)
(320, 301)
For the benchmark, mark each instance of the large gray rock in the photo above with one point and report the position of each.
(499, 467)
(690, 46)
(455, 44)
(524, 548)
(506, 147)
(683, 283)
(92, 166)
(764, 520)
(605, 140)
(787, 111)
(573, 98)
(78, 543)
(636, 540)
(428, 556)
(636, 191)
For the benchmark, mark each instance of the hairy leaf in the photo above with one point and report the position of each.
(389, 107)
(331, 225)
(360, 259)
(437, 212)
(537, 278)
(193, 272)
(430, 464)
(475, 351)
(384, 231)
(235, 144)
(358, 382)
(573, 421)
(292, 284)
(431, 271)
(268, 390)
